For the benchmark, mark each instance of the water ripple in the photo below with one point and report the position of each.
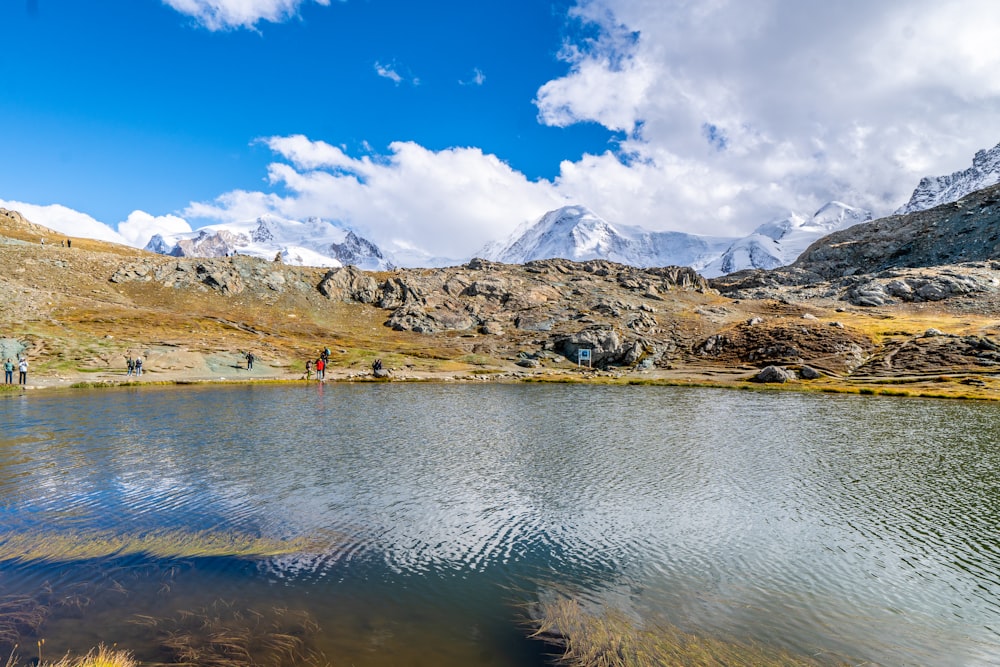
(767, 516)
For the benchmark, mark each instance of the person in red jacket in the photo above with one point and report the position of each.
(320, 369)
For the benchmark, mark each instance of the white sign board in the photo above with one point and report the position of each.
(581, 356)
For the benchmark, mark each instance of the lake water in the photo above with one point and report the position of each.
(435, 517)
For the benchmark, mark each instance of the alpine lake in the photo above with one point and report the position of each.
(490, 524)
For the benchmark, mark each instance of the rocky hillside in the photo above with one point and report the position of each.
(77, 311)
(967, 230)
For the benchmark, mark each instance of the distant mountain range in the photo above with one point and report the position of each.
(576, 233)
(314, 242)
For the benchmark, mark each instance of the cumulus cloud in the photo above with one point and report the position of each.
(230, 14)
(140, 227)
(728, 113)
(65, 220)
(445, 203)
(737, 110)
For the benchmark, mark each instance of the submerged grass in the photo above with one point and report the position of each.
(223, 635)
(611, 639)
(22, 546)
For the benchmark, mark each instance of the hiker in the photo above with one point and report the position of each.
(69, 243)
(309, 368)
(8, 371)
(138, 366)
(249, 361)
(325, 355)
(22, 367)
(377, 365)
(320, 369)
(130, 365)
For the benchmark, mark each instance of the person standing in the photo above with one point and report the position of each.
(8, 371)
(309, 368)
(130, 365)
(22, 367)
(320, 369)
(138, 366)
(249, 361)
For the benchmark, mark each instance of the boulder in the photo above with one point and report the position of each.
(774, 374)
(605, 345)
(348, 283)
(809, 373)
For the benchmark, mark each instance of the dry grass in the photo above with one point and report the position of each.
(611, 639)
(101, 656)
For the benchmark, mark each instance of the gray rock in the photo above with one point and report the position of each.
(870, 294)
(605, 345)
(809, 373)
(349, 284)
(492, 328)
(774, 374)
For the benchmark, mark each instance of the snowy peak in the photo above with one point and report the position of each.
(359, 252)
(577, 233)
(780, 242)
(310, 243)
(936, 190)
(837, 215)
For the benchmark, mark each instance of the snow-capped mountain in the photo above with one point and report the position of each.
(780, 242)
(575, 232)
(313, 242)
(936, 190)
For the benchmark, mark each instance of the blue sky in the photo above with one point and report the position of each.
(434, 128)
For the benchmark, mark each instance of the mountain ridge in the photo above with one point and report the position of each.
(313, 242)
(575, 232)
(936, 190)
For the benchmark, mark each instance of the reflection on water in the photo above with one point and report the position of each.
(428, 518)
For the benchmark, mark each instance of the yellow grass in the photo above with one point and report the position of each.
(611, 639)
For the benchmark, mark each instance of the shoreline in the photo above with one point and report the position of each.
(958, 385)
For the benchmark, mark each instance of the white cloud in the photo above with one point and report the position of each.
(229, 14)
(65, 220)
(478, 78)
(446, 203)
(388, 72)
(778, 104)
(141, 226)
(729, 113)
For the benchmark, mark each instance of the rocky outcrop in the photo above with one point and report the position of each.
(934, 191)
(967, 230)
(930, 352)
(228, 276)
(835, 349)
(349, 284)
(357, 251)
